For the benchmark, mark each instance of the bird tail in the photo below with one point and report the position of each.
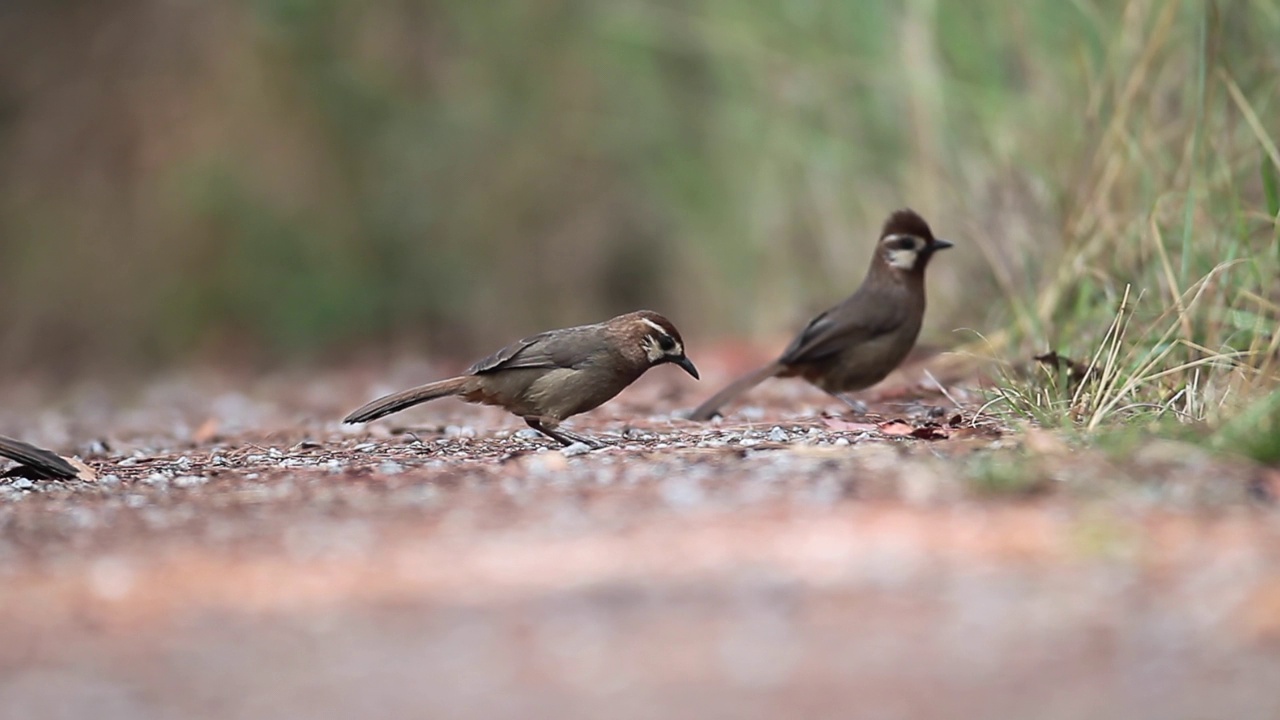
(396, 402)
(711, 407)
(45, 461)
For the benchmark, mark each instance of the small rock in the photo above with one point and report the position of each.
(841, 442)
(778, 435)
(186, 481)
(21, 484)
(529, 434)
(390, 467)
(577, 448)
(461, 431)
(112, 479)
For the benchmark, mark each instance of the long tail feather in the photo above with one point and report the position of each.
(44, 461)
(708, 409)
(396, 402)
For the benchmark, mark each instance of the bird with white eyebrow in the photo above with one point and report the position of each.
(554, 375)
(858, 342)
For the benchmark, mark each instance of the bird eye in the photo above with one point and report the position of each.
(666, 342)
(904, 242)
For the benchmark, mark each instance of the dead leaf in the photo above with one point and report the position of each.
(83, 472)
(969, 431)
(931, 431)
(896, 428)
(207, 432)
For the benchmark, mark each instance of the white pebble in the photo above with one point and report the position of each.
(575, 449)
(186, 481)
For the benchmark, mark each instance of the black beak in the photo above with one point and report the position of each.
(939, 244)
(687, 365)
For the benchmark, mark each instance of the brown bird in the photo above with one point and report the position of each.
(551, 376)
(33, 462)
(857, 343)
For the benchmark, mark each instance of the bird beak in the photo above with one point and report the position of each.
(939, 244)
(687, 364)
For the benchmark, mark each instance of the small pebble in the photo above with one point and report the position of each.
(390, 467)
(576, 449)
(529, 434)
(21, 484)
(112, 479)
(778, 435)
(186, 481)
(841, 442)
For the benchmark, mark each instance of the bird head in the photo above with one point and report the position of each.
(907, 243)
(659, 340)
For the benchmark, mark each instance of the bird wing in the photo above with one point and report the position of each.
(826, 335)
(567, 348)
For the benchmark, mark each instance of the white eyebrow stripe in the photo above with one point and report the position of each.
(655, 326)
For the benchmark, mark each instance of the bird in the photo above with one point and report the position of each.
(33, 462)
(548, 377)
(858, 342)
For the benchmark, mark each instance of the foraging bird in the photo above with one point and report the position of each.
(857, 343)
(556, 374)
(35, 463)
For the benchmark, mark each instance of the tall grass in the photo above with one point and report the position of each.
(1166, 279)
(299, 177)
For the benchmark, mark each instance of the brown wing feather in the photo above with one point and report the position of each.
(824, 336)
(567, 348)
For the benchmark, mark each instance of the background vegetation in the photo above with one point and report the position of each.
(294, 178)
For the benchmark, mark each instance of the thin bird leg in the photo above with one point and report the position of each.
(857, 406)
(552, 429)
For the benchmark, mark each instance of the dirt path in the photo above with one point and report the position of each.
(247, 558)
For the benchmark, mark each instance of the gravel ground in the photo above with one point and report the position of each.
(241, 555)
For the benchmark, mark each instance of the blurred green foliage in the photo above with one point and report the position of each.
(303, 176)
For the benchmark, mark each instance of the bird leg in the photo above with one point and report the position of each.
(552, 429)
(858, 407)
